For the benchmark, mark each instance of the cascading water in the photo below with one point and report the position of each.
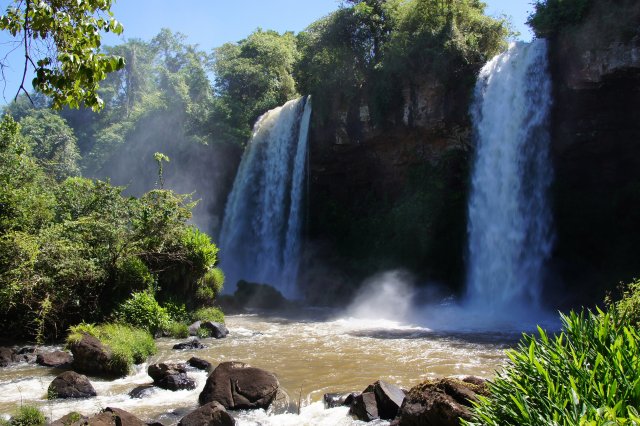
(510, 223)
(260, 237)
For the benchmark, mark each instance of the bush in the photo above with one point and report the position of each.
(628, 308)
(129, 345)
(142, 310)
(208, 314)
(551, 16)
(589, 374)
(28, 415)
(177, 329)
(209, 286)
(177, 311)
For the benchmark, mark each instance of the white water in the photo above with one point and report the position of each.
(260, 237)
(510, 224)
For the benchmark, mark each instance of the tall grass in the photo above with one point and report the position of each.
(589, 374)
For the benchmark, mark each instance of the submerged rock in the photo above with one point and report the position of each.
(171, 376)
(191, 344)
(71, 385)
(9, 356)
(199, 363)
(333, 400)
(237, 386)
(141, 391)
(211, 414)
(54, 359)
(439, 403)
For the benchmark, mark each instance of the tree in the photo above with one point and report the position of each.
(61, 41)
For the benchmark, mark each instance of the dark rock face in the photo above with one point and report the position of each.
(216, 329)
(199, 363)
(364, 407)
(211, 414)
(596, 152)
(332, 400)
(73, 418)
(71, 385)
(12, 355)
(438, 403)
(90, 356)
(388, 398)
(171, 376)
(191, 344)
(193, 328)
(237, 386)
(54, 359)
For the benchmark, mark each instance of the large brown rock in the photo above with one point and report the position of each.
(91, 357)
(438, 403)
(113, 416)
(71, 385)
(73, 418)
(211, 414)
(54, 359)
(171, 376)
(237, 385)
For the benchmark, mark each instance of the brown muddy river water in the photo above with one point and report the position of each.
(310, 358)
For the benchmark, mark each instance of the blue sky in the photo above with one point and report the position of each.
(210, 23)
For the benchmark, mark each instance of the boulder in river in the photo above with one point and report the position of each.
(441, 402)
(73, 418)
(111, 416)
(91, 357)
(199, 363)
(237, 386)
(71, 385)
(216, 329)
(141, 391)
(190, 344)
(380, 400)
(333, 400)
(58, 359)
(9, 356)
(171, 376)
(6, 356)
(364, 407)
(211, 414)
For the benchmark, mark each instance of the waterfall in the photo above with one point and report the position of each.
(260, 236)
(510, 223)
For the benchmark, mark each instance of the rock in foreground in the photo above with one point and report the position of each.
(379, 400)
(236, 385)
(171, 376)
(71, 385)
(211, 414)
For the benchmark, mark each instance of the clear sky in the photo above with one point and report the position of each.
(210, 23)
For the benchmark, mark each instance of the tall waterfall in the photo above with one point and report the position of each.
(260, 236)
(510, 223)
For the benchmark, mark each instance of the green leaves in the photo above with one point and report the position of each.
(62, 41)
(587, 374)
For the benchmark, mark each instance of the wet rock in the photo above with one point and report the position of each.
(71, 385)
(388, 399)
(191, 344)
(216, 329)
(211, 414)
(193, 328)
(199, 363)
(443, 403)
(475, 380)
(6, 356)
(237, 385)
(54, 359)
(171, 376)
(141, 391)
(73, 418)
(333, 400)
(114, 416)
(364, 407)
(91, 357)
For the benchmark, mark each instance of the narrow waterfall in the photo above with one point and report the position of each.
(510, 223)
(260, 236)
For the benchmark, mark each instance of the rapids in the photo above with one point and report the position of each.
(310, 356)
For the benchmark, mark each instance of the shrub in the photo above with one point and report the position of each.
(628, 308)
(551, 16)
(177, 311)
(208, 314)
(129, 345)
(209, 286)
(28, 415)
(177, 329)
(142, 310)
(589, 374)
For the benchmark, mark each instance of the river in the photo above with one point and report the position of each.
(311, 355)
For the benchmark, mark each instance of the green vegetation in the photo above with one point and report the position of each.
(589, 374)
(74, 250)
(27, 415)
(129, 345)
(208, 314)
(628, 307)
(552, 16)
(143, 311)
(61, 42)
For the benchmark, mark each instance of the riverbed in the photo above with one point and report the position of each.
(311, 354)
